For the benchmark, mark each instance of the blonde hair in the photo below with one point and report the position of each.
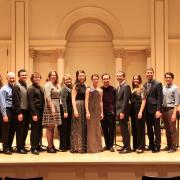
(63, 79)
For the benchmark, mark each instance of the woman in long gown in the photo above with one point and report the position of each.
(66, 113)
(94, 114)
(78, 140)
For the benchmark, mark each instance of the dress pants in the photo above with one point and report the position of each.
(22, 128)
(137, 126)
(170, 127)
(36, 131)
(125, 132)
(108, 125)
(8, 130)
(65, 131)
(153, 130)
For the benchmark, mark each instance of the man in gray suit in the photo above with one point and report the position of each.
(123, 95)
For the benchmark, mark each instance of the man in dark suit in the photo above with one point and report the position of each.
(153, 110)
(123, 95)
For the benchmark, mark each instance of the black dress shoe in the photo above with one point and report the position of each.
(63, 150)
(111, 149)
(21, 151)
(105, 148)
(35, 152)
(8, 152)
(124, 151)
(73, 151)
(155, 150)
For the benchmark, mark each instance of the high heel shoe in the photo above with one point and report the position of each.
(51, 150)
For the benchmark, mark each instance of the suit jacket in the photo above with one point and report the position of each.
(154, 97)
(122, 99)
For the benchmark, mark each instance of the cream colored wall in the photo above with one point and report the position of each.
(133, 16)
(135, 22)
(44, 63)
(174, 57)
(91, 58)
(174, 16)
(135, 63)
(5, 19)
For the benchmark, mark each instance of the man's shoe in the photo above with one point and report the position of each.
(111, 149)
(35, 152)
(7, 152)
(105, 148)
(155, 150)
(21, 151)
(125, 151)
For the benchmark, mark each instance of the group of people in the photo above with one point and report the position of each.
(80, 111)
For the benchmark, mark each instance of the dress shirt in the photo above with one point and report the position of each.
(5, 98)
(170, 96)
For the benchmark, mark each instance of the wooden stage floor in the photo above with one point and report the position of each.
(105, 165)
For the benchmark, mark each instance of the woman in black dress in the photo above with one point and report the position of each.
(138, 100)
(66, 113)
(78, 124)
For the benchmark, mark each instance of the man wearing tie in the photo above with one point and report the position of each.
(123, 95)
(153, 110)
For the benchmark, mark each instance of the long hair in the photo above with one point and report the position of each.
(77, 83)
(140, 81)
(1, 81)
(57, 77)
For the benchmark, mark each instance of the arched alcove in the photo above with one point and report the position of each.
(89, 47)
(95, 14)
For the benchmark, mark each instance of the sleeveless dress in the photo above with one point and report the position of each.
(78, 140)
(94, 140)
(52, 93)
(137, 125)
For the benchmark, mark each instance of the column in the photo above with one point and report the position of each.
(20, 37)
(159, 37)
(148, 57)
(32, 56)
(60, 62)
(119, 55)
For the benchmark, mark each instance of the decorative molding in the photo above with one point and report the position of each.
(92, 13)
(147, 52)
(5, 41)
(59, 53)
(119, 52)
(33, 53)
(174, 41)
(132, 44)
(47, 44)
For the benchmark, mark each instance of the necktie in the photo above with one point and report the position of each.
(148, 87)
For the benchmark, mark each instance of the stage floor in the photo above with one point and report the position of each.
(105, 157)
(100, 166)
